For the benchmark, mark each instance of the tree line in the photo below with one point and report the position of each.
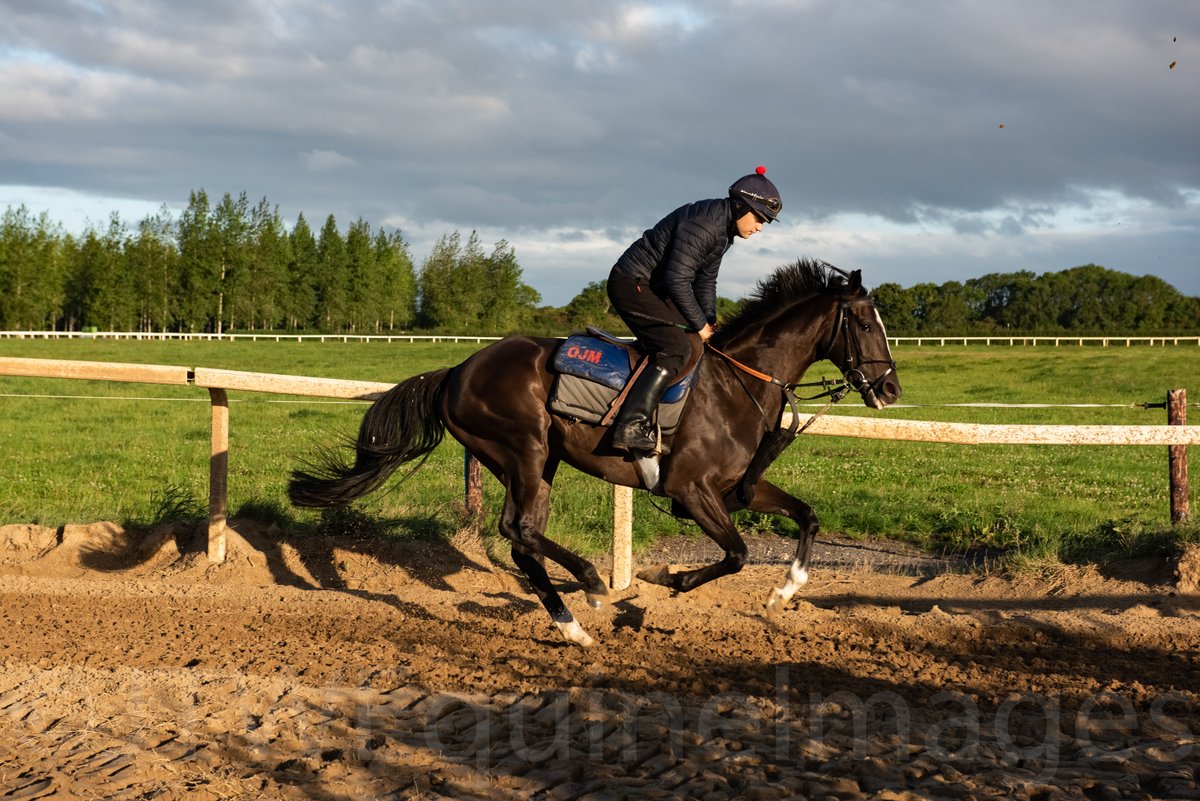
(234, 266)
(1086, 300)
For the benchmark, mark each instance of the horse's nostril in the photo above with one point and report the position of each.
(892, 390)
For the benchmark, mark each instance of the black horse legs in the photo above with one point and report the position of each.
(770, 499)
(708, 510)
(523, 522)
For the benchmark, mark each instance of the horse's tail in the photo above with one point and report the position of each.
(403, 425)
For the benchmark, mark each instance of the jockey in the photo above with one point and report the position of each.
(665, 289)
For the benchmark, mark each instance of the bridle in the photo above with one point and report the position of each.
(852, 353)
(851, 367)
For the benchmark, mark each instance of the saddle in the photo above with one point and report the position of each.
(594, 373)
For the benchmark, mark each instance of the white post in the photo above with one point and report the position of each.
(622, 545)
(218, 475)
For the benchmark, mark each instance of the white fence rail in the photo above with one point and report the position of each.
(265, 336)
(991, 434)
(1055, 341)
(1114, 340)
(217, 382)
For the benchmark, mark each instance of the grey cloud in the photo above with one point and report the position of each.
(532, 117)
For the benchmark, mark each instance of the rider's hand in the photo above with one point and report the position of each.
(706, 332)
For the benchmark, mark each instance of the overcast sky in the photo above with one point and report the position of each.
(918, 141)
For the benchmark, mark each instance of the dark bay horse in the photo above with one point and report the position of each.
(495, 404)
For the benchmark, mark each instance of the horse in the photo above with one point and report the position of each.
(495, 403)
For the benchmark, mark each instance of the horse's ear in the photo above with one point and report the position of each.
(855, 280)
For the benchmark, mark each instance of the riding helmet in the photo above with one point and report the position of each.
(756, 192)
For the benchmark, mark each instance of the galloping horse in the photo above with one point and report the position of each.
(495, 404)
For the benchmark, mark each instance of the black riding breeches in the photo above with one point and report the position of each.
(658, 325)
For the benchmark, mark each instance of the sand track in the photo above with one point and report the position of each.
(319, 669)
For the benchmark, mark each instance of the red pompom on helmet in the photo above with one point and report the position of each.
(757, 193)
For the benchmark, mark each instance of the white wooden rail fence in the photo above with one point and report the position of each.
(1043, 340)
(218, 382)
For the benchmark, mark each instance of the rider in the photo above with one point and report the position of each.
(665, 289)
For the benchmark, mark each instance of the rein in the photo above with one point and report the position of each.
(834, 390)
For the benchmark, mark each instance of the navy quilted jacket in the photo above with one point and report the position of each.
(679, 257)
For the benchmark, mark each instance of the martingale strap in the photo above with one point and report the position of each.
(770, 448)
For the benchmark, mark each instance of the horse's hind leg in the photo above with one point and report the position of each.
(523, 521)
(770, 499)
(535, 571)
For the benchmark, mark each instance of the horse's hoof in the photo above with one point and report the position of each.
(573, 633)
(774, 607)
(659, 574)
(597, 601)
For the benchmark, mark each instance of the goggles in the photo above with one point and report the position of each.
(771, 204)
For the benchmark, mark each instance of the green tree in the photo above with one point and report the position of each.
(993, 294)
(461, 289)
(509, 303)
(1031, 307)
(399, 291)
(234, 279)
(897, 307)
(952, 310)
(259, 301)
(447, 299)
(331, 278)
(300, 303)
(1182, 315)
(199, 266)
(364, 279)
(152, 261)
(592, 307)
(31, 270)
(1083, 293)
(99, 289)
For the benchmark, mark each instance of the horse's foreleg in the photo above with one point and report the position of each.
(770, 499)
(709, 513)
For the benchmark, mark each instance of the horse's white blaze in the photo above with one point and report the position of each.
(882, 328)
(797, 577)
(575, 634)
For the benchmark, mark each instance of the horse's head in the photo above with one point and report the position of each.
(858, 345)
(813, 308)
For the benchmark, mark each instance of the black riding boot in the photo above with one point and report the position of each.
(634, 429)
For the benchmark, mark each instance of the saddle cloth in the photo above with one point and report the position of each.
(592, 370)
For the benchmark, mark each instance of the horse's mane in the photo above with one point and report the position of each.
(790, 283)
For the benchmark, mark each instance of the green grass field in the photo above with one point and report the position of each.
(79, 451)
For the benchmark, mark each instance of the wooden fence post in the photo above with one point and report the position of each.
(218, 474)
(473, 481)
(622, 542)
(1177, 457)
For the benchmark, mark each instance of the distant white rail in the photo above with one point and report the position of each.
(264, 336)
(1056, 340)
(1041, 340)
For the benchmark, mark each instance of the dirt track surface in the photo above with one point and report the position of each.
(130, 668)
